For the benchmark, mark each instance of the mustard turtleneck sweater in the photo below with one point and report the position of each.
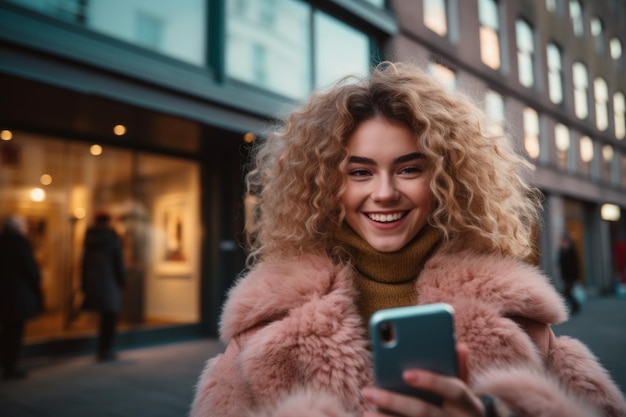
(387, 279)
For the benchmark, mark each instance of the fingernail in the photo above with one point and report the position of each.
(410, 376)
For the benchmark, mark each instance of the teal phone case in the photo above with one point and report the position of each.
(413, 337)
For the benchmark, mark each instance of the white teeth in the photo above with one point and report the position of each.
(385, 218)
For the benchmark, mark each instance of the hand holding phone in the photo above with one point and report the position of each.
(416, 337)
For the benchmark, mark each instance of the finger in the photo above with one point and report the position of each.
(389, 403)
(462, 352)
(455, 393)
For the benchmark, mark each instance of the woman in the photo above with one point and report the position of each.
(386, 192)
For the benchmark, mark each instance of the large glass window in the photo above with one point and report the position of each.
(287, 47)
(489, 33)
(555, 73)
(581, 90)
(170, 27)
(269, 47)
(525, 53)
(435, 16)
(619, 115)
(615, 48)
(333, 59)
(58, 185)
(601, 97)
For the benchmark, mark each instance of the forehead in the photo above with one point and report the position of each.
(380, 137)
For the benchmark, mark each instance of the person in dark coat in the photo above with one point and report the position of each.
(570, 271)
(20, 292)
(103, 278)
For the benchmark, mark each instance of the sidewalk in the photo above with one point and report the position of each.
(154, 381)
(158, 381)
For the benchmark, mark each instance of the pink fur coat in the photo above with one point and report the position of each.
(296, 345)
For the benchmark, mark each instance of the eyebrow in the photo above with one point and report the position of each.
(399, 160)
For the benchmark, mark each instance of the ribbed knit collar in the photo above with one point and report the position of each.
(390, 267)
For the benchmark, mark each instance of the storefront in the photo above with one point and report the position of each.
(172, 186)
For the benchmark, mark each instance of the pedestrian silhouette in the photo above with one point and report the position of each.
(20, 295)
(570, 271)
(103, 278)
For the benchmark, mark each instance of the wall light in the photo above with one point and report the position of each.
(37, 194)
(95, 150)
(119, 130)
(610, 212)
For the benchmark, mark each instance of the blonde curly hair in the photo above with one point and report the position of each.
(477, 179)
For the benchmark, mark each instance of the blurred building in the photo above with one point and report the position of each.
(147, 108)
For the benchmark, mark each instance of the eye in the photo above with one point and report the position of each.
(359, 172)
(411, 170)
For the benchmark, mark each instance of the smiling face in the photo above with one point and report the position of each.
(387, 200)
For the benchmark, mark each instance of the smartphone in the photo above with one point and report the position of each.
(419, 336)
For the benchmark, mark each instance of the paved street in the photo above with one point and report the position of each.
(158, 381)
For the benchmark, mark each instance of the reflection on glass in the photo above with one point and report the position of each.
(435, 17)
(601, 96)
(619, 115)
(576, 14)
(555, 77)
(494, 108)
(339, 50)
(581, 85)
(170, 27)
(269, 46)
(489, 37)
(531, 133)
(616, 48)
(525, 50)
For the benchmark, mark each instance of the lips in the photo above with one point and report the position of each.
(386, 217)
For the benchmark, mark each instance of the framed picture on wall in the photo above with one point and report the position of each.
(172, 240)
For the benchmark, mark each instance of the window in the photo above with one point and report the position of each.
(586, 154)
(531, 133)
(551, 5)
(444, 74)
(489, 33)
(615, 47)
(170, 27)
(581, 86)
(275, 58)
(555, 73)
(607, 162)
(294, 50)
(601, 96)
(619, 115)
(339, 50)
(597, 31)
(576, 14)
(494, 108)
(435, 16)
(562, 143)
(525, 51)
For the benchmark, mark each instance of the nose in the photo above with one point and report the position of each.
(385, 189)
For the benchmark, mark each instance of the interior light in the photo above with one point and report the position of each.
(610, 212)
(79, 213)
(45, 179)
(248, 137)
(95, 150)
(37, 194)
(6, 135)
(119, 130)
